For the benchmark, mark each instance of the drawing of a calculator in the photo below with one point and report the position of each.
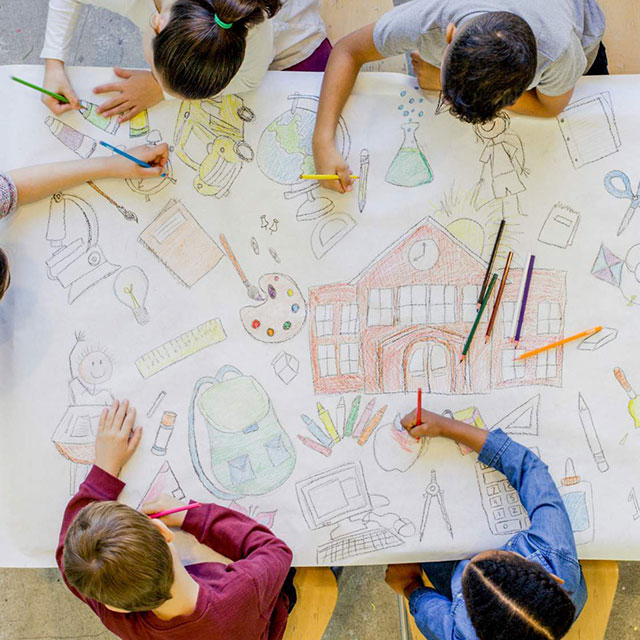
(500, 501)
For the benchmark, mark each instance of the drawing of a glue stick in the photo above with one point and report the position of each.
(83, 145)
(139, 125)
(634, 401)
(163, 435)
(90, 114)
(591, 435)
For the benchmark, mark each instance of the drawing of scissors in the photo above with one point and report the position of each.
(626, 194)
(433, 490)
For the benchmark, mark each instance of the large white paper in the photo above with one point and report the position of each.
(132, 293)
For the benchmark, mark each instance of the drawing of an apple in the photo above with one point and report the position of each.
(394, 449)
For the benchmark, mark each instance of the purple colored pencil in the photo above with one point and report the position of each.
(524, 298)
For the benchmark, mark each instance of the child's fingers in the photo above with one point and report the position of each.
(122, 73)
(110, 87)
(111, 414)
(120, 414)
(113, 107)
(409, 421)
(133, 111)
(345, 178)
(133, 443)
(58, 108)
(103, 419)
(129, 421)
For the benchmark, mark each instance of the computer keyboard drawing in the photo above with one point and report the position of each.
(357, 544)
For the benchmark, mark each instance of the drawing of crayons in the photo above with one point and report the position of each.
(364, 174)
(353, 414)
(371, 425)
(591, 434)
(325, 416)
(317, 431)
(364, 418)
(316, 446)
(341, 415)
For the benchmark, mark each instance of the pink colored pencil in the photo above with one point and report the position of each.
(168, 512)
(316, 446)
(368, 410)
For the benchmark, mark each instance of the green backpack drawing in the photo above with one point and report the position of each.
(251, 454)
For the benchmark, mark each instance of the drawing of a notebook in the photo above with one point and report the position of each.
(589, 129)
(181, 244)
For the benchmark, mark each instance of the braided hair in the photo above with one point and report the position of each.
(510, 597)
(195, 56)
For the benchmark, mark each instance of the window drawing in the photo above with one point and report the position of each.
(549, 318)
(547, 364)
(349, 319)
(413, 304)
(381, 307)
(443, 304)
(324, 320)
(513, 369)
(470, 295)
(349, 357)
(508, 310)
(327, 360)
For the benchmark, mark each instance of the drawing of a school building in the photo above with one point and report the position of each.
(402, 323)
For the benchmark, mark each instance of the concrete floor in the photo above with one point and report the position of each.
(34, 604)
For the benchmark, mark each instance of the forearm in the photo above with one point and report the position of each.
(465, 434)
(61, 22)
(529, 104)
(41, 181)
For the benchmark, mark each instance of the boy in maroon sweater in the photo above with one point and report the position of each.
(125, 567)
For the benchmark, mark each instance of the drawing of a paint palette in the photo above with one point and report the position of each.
(281, 316)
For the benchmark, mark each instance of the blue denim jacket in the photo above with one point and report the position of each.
(549, 541)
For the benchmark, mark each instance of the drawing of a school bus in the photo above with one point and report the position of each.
(209, 138)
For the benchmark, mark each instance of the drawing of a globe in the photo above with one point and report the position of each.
(284, 150)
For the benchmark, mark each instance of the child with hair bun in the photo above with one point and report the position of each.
(196, 48)
(532, 588)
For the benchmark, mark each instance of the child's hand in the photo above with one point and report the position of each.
(153, 154)
(56, 80)
(164, 502)
(117, 439)
(404, 578)
(328, 160)
(429, 424)
(138, 91)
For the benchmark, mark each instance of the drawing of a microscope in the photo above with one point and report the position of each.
(77, 262)
(209, 138)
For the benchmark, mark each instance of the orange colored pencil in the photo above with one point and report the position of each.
(496, 306)
(553, 345)
(371, 425)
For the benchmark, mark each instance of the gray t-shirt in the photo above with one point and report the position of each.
(567, 32)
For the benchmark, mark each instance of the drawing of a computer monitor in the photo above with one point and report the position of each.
(331, 496)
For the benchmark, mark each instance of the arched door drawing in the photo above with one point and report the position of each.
(428, 365)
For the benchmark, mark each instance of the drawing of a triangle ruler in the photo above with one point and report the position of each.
(180, 348)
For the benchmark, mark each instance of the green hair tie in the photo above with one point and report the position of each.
(222, 25)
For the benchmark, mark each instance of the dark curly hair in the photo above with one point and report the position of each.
(509, 597)
(5, 274)
(197, 58)
(490, 63)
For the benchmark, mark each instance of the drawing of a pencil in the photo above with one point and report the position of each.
(317, 431)
(341, 414)
(353, 414)
(364, 418)
(325, 416)
(591, 434)
(371, 425)
(316, 446)
(364, 174)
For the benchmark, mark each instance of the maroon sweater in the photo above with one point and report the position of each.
(239, 601)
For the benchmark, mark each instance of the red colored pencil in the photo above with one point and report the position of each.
(419, 411)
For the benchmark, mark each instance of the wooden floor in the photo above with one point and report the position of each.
(621, 38)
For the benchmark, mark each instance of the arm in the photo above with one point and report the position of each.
(534, 103)
(432, 613)
(342, 70)
(530, 477)
(254, 550)
(35, 183)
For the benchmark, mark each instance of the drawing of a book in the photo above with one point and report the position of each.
(181, 244)
(589, 129)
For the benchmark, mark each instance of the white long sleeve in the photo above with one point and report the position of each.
(61, 21)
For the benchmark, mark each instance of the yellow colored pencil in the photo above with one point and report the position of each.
(323, 176)
(372, 424)
(325, 416)
(553, 345)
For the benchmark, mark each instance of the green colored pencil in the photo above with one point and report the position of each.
(57, 96)
(353, 414)
(477, 320)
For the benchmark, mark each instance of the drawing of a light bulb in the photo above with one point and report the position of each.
(131, 288)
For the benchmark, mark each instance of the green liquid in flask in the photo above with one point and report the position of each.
(410, 167)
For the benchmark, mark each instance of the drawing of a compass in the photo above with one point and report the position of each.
(423, 254)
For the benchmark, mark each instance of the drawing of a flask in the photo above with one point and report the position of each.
(83, 145)
(90, 114)
(577, 495)
(410, 167)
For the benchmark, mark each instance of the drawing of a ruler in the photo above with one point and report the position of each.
(180, 348)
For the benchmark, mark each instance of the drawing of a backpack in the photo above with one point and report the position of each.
(250, 452)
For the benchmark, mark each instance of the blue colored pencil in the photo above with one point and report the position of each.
(124, 154)
(317, 431)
